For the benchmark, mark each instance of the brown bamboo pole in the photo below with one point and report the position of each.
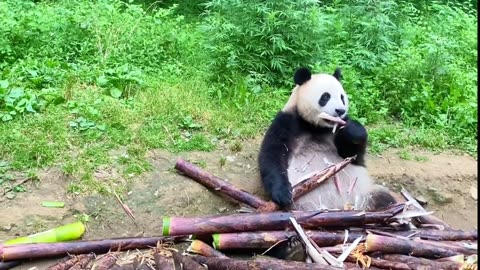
(220, 185)
(44, 250)
(163, 262)
(66, 263)
(215, 263)
(453, 246)
(106, 262)
(186, 262)
(215, 183)
(384, 264)
(82, 262)
(438, 235)
(385, 244)
(415, 261)
(266, 239)
(272, 221)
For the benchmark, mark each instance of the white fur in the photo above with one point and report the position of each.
(308, 96)
(310, 157)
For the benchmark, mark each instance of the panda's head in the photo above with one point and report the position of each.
(320, 93)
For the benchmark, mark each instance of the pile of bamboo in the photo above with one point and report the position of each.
(402, 236)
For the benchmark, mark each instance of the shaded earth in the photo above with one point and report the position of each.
(447, 181)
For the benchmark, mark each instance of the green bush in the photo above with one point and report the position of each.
(109, 43)
(263, 40)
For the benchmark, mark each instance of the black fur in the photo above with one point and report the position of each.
(338, 74)
(352, 140)
(302, 75)
(279, 141)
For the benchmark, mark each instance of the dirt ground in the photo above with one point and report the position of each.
(447, 181)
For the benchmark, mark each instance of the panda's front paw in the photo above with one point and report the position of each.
(355, 132)
(282, 195)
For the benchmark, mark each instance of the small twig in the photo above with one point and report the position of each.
(126, 209)
(350, 189)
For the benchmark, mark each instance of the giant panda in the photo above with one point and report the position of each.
(300, 141)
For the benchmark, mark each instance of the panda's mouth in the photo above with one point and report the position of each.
(331, 120)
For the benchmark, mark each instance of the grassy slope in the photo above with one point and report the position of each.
(173, 106)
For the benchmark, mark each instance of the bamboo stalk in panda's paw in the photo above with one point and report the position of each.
(307, 185)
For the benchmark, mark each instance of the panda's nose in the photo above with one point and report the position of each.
(339, 112)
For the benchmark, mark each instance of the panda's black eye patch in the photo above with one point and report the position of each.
(343, 99)
(324, 99)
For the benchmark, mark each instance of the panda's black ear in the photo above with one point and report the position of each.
(338, 74)
(302, 75)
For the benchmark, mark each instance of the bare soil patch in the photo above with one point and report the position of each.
(447, 181)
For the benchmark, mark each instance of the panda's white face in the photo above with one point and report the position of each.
(322, 93)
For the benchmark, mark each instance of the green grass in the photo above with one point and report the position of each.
(91, 86)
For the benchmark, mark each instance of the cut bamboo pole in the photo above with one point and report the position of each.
(214, 263)
(186, 262)
(201, 248)
(385, 244)
(45, 250)
(215, 183)
(163, 261)
(223, 187)
(448, 235)
(66, 263)
(415, 262)
(106, 262)
(266, 239)
(272, 221)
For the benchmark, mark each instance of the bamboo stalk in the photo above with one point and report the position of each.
(72, 231)
(387, 244)
(106, 262)
(66, 263)
(162, 261)
(44, 250)
(186, 262)
(266, 239)
(214, 263)
(220, 185)
(272, 221)
(448, 235)
(199, 247)
(453, 246)
(383, 264)
(82, 262)
(215, 183)
(414, 261)
(313, 182)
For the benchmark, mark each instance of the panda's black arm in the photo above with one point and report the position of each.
(273, 158)
(352, 140)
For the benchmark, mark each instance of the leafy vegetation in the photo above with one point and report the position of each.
(91, 86)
